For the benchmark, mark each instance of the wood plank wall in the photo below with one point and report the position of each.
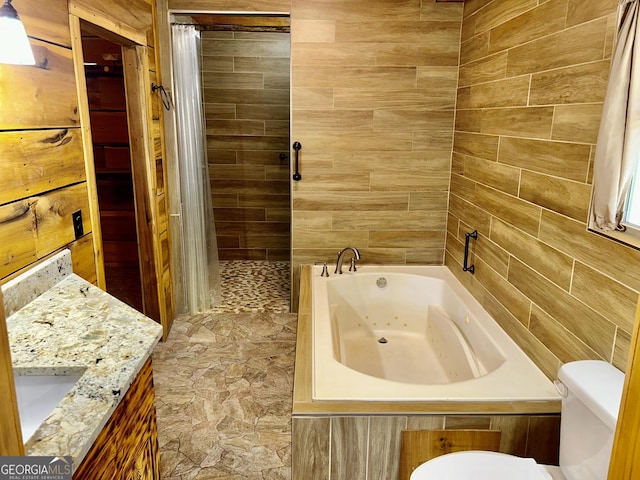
(531, 86)
(42, 174)
(245, 81)
(42, 179)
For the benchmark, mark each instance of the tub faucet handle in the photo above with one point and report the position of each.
(325, 269)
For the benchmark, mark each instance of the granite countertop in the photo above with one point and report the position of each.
(59, 324)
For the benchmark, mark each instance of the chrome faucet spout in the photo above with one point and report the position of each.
(342, 253)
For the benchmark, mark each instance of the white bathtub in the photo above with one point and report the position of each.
(421, 337)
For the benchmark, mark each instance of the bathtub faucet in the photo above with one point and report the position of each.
(341, 255)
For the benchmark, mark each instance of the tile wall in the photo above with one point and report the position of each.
(532, 81)
(368, 447)
(246, 93)
(373, 106)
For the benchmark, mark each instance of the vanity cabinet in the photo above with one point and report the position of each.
(127, 447)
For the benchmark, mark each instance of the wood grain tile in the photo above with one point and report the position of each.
(493, 67)
(266, 65)
(303, 98)
(441, 11)
(578, 84)
(606, 296)
(384, 447)
(564, 160)
(304, 30)
(475, 145)
(517, 212)
(333, 120)
(584, 11)
(333, 240)
(577, 123)
(384, 78)
(388, 220)
(412, 120)
(425, 256)
(564, 344)
(427, 201)
(347, 54)
(581, 44)
(334, 10)
(475, 48)
(470, 214)
(504, 292)
(371, 99)
(501, 177)
(573, 238)
(547, 18)
(496, 13)
(512, 92)
(441, 36)
(590, 327)
(357, 201)
(439, 53)
(621, 350)
(532, 122)
(563, 196)
(544, 259)
(349, 447)
(407, 239)
(310, 434)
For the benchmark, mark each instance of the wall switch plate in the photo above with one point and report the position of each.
(78, 229)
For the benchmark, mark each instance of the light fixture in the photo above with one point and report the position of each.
(15, 48)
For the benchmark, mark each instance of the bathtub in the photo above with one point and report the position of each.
(413, 334)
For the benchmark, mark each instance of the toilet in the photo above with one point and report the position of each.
(591, 391)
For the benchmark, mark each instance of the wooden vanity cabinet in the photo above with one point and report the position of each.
(127, 447)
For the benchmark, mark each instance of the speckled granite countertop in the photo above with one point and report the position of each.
(59, 324)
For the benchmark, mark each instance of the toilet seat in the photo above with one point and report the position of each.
(480, 465)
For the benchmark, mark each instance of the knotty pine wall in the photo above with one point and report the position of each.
(245, 81)
(42, 172)
(532, 81)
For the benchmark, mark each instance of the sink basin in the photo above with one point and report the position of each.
(37, 396)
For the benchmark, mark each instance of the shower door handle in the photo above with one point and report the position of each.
(296, 148)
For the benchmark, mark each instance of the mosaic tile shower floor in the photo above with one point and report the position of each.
(224, 381)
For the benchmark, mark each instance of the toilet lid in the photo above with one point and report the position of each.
(479, 465)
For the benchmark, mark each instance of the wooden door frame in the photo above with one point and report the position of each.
(136, 76)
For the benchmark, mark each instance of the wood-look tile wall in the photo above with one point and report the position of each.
(368, 447)
(531, 86)
(373, 99)
(373, 107)
(246, 93)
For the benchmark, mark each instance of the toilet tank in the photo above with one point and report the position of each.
(591, 390)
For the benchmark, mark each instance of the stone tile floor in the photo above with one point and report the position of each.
(224, 381)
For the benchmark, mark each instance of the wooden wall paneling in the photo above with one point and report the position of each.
(17, 236)
(53, 217)
(136, 73)
(10, 432)
(130, 19)
(36, 161)
(42, 95)
(48, 23)
(87, 142)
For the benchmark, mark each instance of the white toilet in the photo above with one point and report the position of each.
(591, 391)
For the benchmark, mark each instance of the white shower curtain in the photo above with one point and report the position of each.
(200, 250)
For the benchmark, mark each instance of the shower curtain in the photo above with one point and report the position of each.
(200, 249)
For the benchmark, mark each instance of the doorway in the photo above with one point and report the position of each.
(110, 137)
